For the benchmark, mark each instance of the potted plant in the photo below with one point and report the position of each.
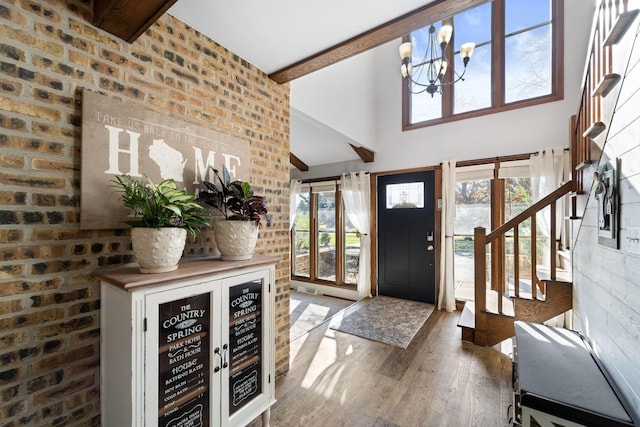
(164, 214)
(237, 232)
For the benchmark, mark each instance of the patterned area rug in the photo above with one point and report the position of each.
(389, 320)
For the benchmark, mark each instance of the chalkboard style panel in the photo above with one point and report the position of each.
(245, 344)
(184, 362)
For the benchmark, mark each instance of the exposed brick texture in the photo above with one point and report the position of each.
(49, 300)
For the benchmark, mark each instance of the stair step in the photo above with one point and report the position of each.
(468, 316)
(467, 321)
(561, 275)
(492, 304)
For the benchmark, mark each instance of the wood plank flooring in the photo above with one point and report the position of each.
(337, 379)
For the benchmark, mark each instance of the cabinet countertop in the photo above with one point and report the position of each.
(129, 278)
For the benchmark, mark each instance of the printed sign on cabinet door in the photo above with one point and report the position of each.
(245, 343)
(184, 362)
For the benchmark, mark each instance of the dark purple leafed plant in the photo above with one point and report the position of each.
(234, 199)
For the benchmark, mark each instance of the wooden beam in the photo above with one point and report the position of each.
(302, 166)
(394, 29)
(128, 19)
(366, 155)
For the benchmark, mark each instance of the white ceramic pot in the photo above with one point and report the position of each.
(158, 250)
(236, 239)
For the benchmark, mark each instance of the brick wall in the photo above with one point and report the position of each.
(49, 301)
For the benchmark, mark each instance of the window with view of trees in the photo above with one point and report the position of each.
(517, 62)
(326, 246)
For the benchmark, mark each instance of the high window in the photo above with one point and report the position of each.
(517, 62)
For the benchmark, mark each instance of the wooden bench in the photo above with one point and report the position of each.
(558, 380)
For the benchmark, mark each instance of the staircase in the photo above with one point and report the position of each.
(499, 302)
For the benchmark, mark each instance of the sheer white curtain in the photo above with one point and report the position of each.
(547, 170)
(356, 194)
(447, 299)
(294, 191)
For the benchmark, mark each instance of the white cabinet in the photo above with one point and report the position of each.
(190, 348)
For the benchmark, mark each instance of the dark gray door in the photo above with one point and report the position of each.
(406, 236)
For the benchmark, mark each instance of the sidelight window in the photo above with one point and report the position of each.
(326, 245)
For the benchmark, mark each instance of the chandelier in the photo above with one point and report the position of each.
(434, 62)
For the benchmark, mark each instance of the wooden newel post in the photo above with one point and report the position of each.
(480, 274)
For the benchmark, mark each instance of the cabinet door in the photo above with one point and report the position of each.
(182, 382)
(246, 311)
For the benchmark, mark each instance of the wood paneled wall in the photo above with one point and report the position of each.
(606, 280)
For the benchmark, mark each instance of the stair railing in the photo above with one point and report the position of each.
(498, 281)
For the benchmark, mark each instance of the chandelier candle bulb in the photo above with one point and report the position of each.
(466, 50)
(444, 34)
(405, 50)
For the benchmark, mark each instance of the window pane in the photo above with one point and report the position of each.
(473, 209)
(521, 14)
(474, 92)
(473, 25)
(351, 252)
(517, 196)
(408, 195)
(473, 206)
(528, 64)
(423, 106)
(301, 233)
(326, 237)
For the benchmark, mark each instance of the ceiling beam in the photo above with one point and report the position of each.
(365, 154)
(394, 29)
(128, 19)
(302, 166)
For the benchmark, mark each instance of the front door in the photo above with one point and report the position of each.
(406, 236)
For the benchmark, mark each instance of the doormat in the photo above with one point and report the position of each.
(393, 321)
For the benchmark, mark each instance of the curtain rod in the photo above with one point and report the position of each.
(327, 178)
(544, 151)
(498, 159)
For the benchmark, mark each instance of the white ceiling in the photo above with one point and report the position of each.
(275, 34)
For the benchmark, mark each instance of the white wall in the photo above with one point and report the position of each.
(341, 97)
(513, 132)
(607, 281)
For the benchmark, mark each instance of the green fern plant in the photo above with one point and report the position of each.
(162, 205)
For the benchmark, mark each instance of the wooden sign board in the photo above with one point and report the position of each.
(121, 139)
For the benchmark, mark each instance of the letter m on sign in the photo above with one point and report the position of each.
(201, 167)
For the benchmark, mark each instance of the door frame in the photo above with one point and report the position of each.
(373, 212)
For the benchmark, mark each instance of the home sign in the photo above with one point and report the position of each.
(124, 139)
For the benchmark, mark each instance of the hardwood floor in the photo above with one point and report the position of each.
(337, 379)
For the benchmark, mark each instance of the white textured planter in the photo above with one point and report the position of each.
(158, 250)
(236, 239)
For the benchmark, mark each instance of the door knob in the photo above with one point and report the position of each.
(430, 247)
